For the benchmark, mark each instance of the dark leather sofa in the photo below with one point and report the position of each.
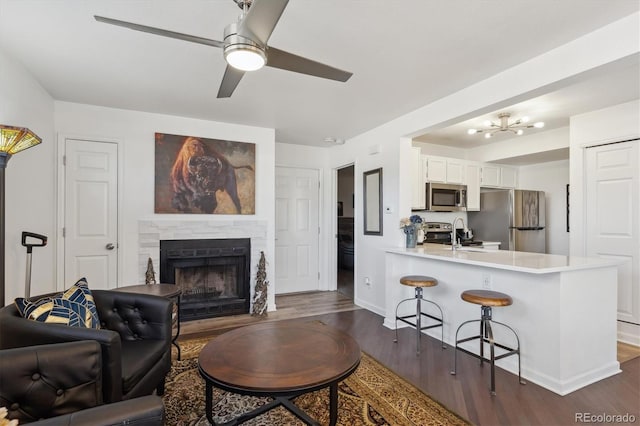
(61, 384)
(134, 338)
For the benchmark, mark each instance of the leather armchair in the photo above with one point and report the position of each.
(135, 339)
(61, 384)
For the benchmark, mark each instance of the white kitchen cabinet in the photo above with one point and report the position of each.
(490, 175)
(436, 169)
(497, 176)
(508, 177)
(472, 172)
(417, 179)
(455, 171)
(444, 170)
(491, 245)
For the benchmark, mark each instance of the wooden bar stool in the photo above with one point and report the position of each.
(419, 281)
(487, 299)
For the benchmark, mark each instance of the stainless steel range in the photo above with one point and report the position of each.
(437, 232)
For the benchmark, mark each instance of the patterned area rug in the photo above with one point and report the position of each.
(373, 395)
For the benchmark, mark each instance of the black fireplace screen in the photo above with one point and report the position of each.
(212, 273)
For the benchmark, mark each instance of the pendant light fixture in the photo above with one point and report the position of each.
(516, 127)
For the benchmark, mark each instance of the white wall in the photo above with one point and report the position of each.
(310, 157)
(552, 178)
(613, 124)
(608, 46)
(30, 180)
(134, 131)
(521, 145)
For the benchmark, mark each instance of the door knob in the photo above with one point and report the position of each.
(110, 246)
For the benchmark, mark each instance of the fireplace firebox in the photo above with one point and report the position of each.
(212, 273)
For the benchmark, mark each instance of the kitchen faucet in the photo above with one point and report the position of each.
(454, 234)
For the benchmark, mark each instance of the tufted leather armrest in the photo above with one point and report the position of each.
(143, 411)
(16, 332)
(50, 380)
(135, 338)
(134, 316)
(61, 383)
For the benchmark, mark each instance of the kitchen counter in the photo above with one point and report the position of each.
(564, 307)
(533, 263)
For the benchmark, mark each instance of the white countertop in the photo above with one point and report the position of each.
(534, 263)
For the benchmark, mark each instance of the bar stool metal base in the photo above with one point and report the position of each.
(417, 317)
(486, 336)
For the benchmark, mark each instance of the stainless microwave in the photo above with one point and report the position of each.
(443, 197)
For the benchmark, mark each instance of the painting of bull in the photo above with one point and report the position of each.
(200, 175)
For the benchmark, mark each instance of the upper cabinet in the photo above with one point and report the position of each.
(472, 173)
(444, 170)
(429, 168)
(417, 180)
(497, 176)
(509, 177)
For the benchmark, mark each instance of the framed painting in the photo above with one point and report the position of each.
(204, 176)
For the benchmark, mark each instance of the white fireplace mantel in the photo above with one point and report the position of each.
(151, 231)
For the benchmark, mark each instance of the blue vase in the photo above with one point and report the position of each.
(412, 239)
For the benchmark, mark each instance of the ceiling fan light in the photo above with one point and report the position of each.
(539, 125)
(472, 131)
(245, 57)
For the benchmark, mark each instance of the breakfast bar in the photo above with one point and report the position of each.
(564, 307)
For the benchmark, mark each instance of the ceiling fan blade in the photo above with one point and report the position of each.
(288, 61)
(232, 77)
(160, 32)
(261, 19)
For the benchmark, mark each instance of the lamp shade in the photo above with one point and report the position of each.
(16, 139)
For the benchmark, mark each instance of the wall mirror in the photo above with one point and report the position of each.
(373, 202)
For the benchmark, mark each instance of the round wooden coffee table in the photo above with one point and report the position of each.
(281, 360)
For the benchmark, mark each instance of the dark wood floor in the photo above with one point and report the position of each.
(467, 393)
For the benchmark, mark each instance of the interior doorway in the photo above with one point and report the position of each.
(345, 233)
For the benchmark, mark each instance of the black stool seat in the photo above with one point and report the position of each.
(487, 299)
(415, 320)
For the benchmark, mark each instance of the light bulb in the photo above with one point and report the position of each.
(519, 132)
(487, 135)
(538, 125)
(245, 58)
(525, 119)
(472, 131)
(487, 123)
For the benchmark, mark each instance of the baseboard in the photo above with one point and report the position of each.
(629, 333)
(368, 306)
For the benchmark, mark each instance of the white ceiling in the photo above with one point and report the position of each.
(404, 54)
(617, 85)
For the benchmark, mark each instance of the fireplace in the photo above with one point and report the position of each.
(212, 273)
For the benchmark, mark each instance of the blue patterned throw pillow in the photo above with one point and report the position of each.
(74, 307)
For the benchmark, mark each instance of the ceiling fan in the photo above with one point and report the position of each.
(245, 45)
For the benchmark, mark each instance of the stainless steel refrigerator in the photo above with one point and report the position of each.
(514, 217)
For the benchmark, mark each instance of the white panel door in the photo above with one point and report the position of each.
(297, 230)
(613, 216)
(91, 213)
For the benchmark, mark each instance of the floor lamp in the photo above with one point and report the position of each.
(12, 140)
